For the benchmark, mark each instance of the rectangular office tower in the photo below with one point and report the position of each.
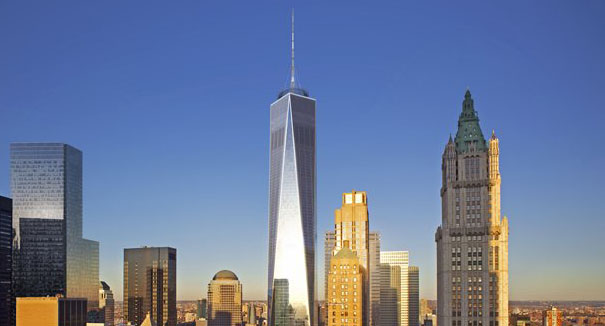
(394, 288)
(150, 285)
(50, 255)
(6, 247)
(292, 211)
(472, 241)
(414, 295)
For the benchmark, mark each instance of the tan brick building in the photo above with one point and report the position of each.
(345, 288)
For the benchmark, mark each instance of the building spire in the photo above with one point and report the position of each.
(293, 87)
(292, 81)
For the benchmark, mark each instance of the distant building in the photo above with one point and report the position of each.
(148, 321)
(6, 248)
(424, 308)
(251, 314)
(374, 278)
(225, 300)
(414, 295)
(51, 311)
(394, 288)
(150, 285)
(552, 317)
(429, 320)
(50, 255)
(345, 282)
(202, 306)
(106, 304)
(189, 317)
(322, 311)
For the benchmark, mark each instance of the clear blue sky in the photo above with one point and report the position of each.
(169, 101)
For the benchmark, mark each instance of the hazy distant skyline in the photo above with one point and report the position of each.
(169, 104)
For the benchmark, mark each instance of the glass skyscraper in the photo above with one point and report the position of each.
(292, 211)
(150, 285)
(50, 255)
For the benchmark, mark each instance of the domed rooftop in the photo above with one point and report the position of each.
(225, 275)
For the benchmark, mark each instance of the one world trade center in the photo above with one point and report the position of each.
(292, 211)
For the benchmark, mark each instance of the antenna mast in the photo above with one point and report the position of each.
(292, 82)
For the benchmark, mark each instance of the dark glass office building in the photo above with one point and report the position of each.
(150, 285)
(50, 256)
(6, 234)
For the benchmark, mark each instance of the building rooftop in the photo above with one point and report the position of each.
(225, 275)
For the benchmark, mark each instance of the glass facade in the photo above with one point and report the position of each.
(6, 234)
(50, 255)
(292, 212)
(150, 285)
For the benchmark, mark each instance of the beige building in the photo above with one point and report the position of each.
(351, 223)
(552, 317)
(394, 288)
(345, 285)
(225, 300)
(472, 241)
(51, 311)
(351, 226)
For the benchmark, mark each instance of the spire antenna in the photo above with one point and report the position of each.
(292, 82)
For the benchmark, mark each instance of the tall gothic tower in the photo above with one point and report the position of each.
(472, 241)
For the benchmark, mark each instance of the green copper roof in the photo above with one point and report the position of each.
(345, 253)
(469, 131)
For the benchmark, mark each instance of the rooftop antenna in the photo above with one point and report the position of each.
(292, 82)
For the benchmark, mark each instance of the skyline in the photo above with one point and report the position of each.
(398, 168)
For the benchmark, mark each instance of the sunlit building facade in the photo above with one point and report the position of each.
(345, 289)
(552, 317)
(225, 300)
(50, 255)
(51, 311)
(351, 226)
(150, 285)
(374, 271)
(394, 288)
(292, 211)
(472, 241)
